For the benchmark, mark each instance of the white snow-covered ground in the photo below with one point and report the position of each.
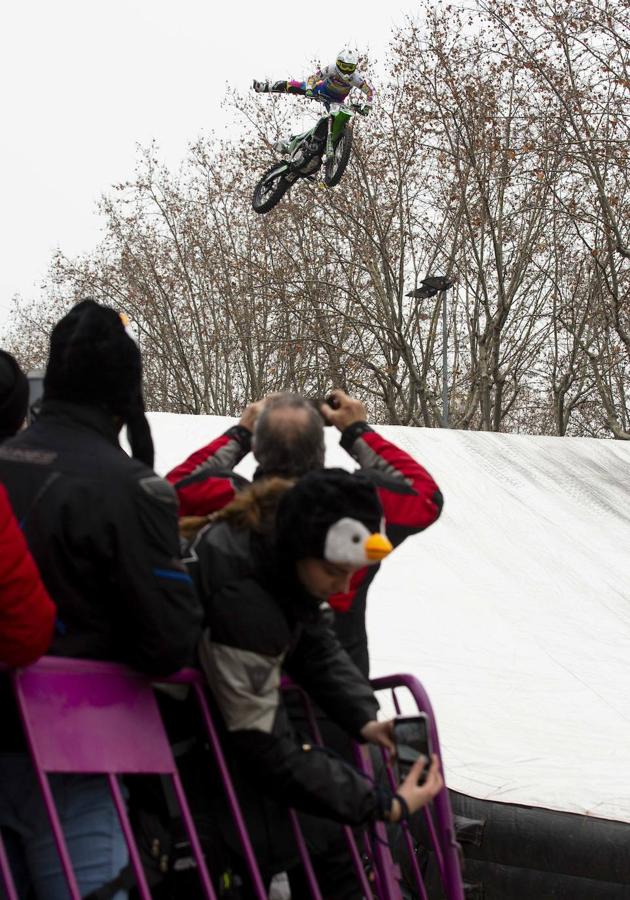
(513, 609)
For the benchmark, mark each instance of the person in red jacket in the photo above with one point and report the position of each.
(27, 614)
(286, 435)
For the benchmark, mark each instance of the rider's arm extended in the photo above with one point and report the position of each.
(361, 82)
(312, 80)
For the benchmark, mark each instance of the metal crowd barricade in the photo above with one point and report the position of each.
(438, 815)
(6, 878)
(441, 826)
(385, 886)
(101, 718)
(195, 680)
(85, 717)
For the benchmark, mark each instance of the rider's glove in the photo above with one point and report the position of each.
(309, 92)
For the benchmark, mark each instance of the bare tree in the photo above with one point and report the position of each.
(497, 156)
(578, 57)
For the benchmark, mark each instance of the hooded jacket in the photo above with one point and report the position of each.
(261, 623)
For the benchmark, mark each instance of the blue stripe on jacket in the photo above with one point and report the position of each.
(173, 574)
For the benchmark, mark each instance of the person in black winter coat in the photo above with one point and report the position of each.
(264, 568)
(102, 528)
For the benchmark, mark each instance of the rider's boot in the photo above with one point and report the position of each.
(261, 87)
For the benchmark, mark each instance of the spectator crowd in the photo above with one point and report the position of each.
(102, 559)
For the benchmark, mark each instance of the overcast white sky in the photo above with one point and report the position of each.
(85, 81)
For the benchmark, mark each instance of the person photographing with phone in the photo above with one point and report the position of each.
(264, 568)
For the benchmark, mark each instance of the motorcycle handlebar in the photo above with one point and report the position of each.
(355, 107)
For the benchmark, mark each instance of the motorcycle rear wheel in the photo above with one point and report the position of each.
(267, 195)
(336, 165)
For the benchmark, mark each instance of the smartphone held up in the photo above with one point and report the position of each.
(412, 739)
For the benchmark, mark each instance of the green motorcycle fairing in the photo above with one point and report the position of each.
(340, 118)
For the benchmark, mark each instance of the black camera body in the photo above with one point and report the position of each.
(316, 403)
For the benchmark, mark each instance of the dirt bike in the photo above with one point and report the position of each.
(328, 142)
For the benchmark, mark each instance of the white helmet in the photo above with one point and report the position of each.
(346, 63)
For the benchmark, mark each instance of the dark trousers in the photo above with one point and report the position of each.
(289, 87)
(334, 871)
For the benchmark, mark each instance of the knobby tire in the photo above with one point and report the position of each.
(332, 174)
(274, 196)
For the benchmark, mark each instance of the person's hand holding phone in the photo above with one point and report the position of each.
(416, 796)
(381, 734)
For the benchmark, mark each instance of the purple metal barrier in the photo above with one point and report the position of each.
(288, 685)
(85, 717)
(6, 878)
(419, 881)
(196, 681)
(101, 718)
(442, 831)
(305, 856)
(388, 873)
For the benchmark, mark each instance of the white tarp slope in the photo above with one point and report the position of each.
(513, 610)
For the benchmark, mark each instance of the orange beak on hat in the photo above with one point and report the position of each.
(377, 547)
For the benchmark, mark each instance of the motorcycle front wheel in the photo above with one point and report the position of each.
(268, 193)
(336, 165)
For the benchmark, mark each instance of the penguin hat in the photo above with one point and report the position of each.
(333, 515)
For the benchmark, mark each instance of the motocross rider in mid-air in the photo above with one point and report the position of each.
(332, 83)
